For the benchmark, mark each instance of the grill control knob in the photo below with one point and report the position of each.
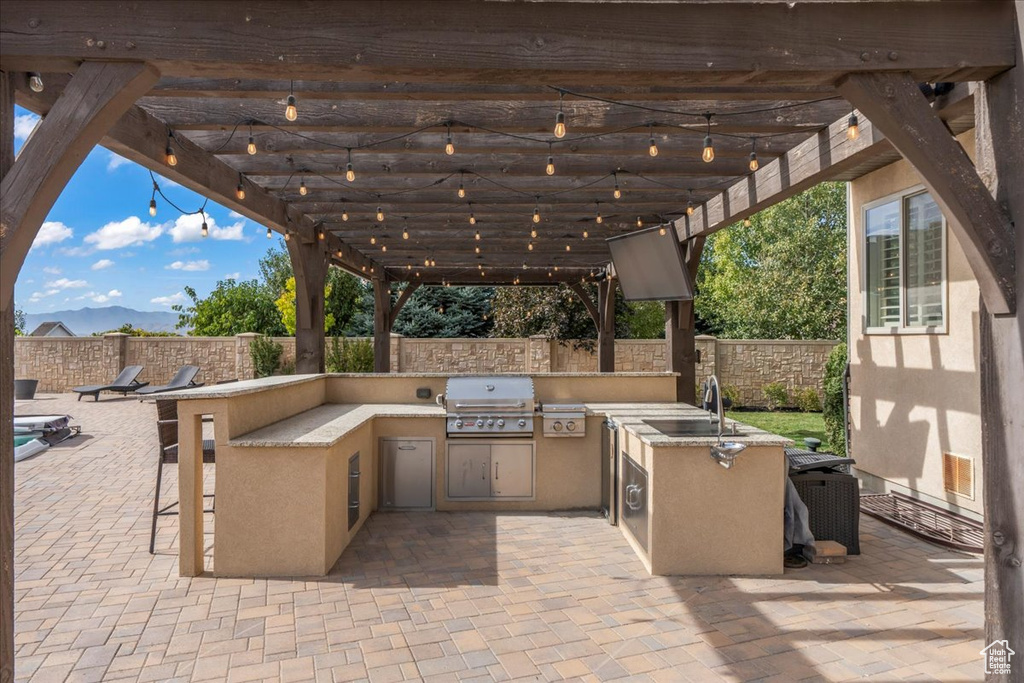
(557, 426)
(479, 423)
(570, 426)
(458, 424)
(522, 423)
(501, 423)
(490, 423)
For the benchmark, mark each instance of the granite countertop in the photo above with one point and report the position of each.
(229, 389)
(325, 425)
(631, 417)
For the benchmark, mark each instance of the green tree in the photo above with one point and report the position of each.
(433, 311)
(128, 329)
(781, 277)
(19, 322)
(555, 312)
(286, 305)
(343, 291)
(231, 308)
(646, 319)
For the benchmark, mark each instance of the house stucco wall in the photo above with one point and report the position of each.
(914, 396)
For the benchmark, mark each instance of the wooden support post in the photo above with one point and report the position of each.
(95, 98)
(896, 106)
(6, 415)
(680, 332)
(606, 326)
(999, 131)
(588, 303)
(310, 261)
(381, 325)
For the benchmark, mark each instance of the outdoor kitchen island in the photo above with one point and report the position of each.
(299, 470)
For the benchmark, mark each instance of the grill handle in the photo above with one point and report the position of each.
(439, 399)
(488, 406)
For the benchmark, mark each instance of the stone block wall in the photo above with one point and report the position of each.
(743, 365)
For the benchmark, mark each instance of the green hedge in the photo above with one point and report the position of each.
(835, 427)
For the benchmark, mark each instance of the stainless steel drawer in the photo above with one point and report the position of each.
(407, 474)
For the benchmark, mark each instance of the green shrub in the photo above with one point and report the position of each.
(835, 427)
(288, 367)
(731, 392)
(350, 355)
(266, 356)
(808, 400)
(775, 395)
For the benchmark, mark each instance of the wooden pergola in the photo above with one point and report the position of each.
(383, 88)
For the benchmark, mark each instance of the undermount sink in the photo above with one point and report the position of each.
(695, 427)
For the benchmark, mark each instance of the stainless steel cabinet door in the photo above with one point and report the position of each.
(407, 474)
(633, 497)
(469, 470)
(512, 470)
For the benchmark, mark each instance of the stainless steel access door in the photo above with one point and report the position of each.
(634, 494)
(407, 474)
(469, 470)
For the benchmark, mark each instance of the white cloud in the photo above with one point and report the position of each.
(102, 263)
(235, 214)
(24, 124)
(104, 298)
(75, 251)
(233, 276)
(52, 232)
(52, 270)
(115, 162)
(189, 229)
(126, 233)
(190, 266)
(36, 297)
(176, 298)
(64, 283)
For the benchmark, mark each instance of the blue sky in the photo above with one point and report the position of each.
(100, 247)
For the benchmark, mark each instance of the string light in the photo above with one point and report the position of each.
(462, 187)
(753, 155)
(380, 215)
(320, 234)
(35, 82)
(560, 119)
(533, 233)
(653, 148)
(426, 261)
(598, 219)
(536, 212)
(477, 236)
(477, 249)
(708, 155)
(472, 218)
(169, 157)
(530, 246)
(152, 199)
(251, 147)
(405, 230)
(340, 254)
(616, 193)
(384, 248)
(303, 190)
(449, 148)
(270, 234)
(240, 190)
(689, 204)
(350, 173)
(344, 214)
(662, 231)
(433, 263)
(290, 111)
(852, 127)
(585, 233)
(373, 239)
(639, 223)
(205, 230)
(568, 247)
(550, 168)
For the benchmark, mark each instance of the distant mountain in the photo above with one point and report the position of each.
(85, 321)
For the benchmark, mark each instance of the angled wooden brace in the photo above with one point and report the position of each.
(587, 302)
(396, 308)
(894, 103)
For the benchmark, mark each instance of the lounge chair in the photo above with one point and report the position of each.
(184, 378)
(124, 384)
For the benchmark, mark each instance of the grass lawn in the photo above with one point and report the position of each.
(796, 426)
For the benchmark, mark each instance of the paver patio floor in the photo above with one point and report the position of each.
(447, 596)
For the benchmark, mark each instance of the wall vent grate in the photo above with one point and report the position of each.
(958, 474)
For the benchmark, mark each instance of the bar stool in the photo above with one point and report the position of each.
(167, 435)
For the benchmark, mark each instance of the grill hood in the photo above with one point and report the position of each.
(473, 395)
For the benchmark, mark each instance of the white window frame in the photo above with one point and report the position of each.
(902, 327)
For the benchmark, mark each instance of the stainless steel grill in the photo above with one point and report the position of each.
(564, 419)
(489, 406)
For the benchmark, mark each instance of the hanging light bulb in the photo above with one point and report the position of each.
(598, 218)
(251, 147)
(303, 190)
(652, 149)
(426, 261)
(753, 164)
(270, 234)
(373, 239)
(689, 204)
(568, 247)
(662, 231)
(560, 119)
(380, 214)
(616, 193)
(205, 230)
(350, 173)
(408, 266)
(472, 218)
(35, 82)
(433, 262)
(320, 235)
(240, 189)
(384, 248)
(405, 232)
(449, 147)
(287, 235)
(477, 236)
(462, 188)
(639, 223)
(530, 246)
(169, 157)
(477, 249)
(536, 212)
(290, 111)
(708, 155)
(550, 168)
(852, 127)
(152, 207)
(585, 233)
(344, 214)
(339, 253)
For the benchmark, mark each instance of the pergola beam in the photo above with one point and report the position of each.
(530, 44)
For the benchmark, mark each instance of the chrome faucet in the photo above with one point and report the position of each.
(723, 452)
